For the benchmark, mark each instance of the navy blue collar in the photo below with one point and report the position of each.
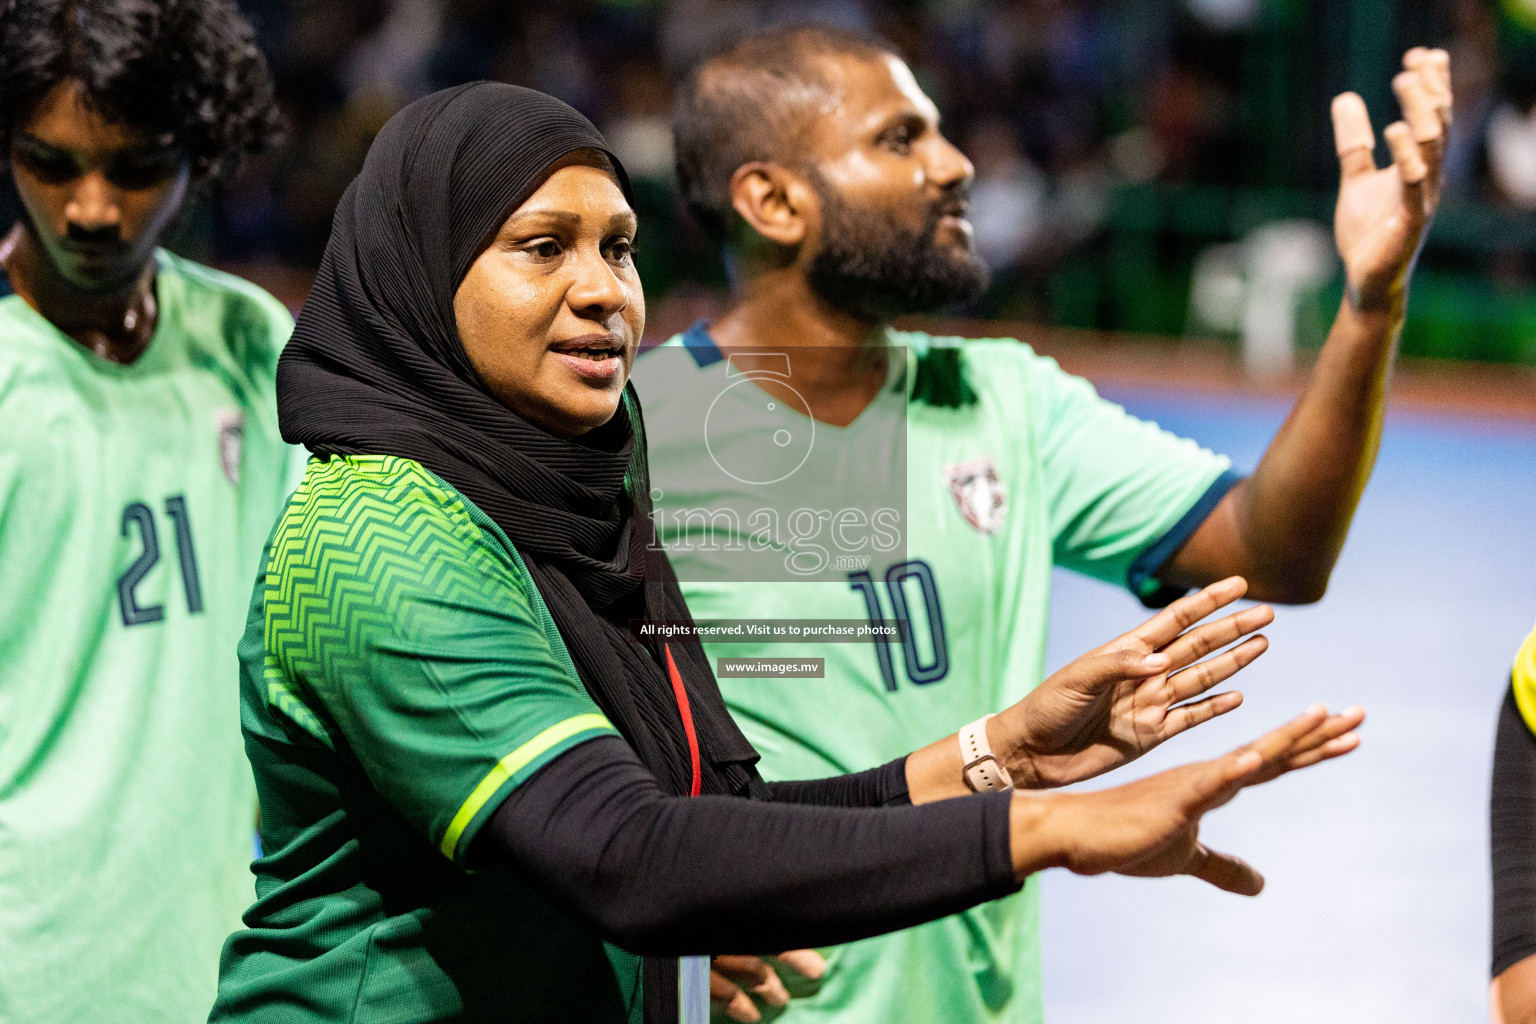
(701, 346)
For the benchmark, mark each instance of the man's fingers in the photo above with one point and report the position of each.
(807, 962)
(1167, 624)
(1202, 640)
(755, 975)
(1225, 871)
(738, 1005)
(772, 991)
(1418, 106)
(1440, 65)
(1424, 123)
(1410, 166)
(1190, 715)
(748, 970)
(1353, 139)
(1434, 67)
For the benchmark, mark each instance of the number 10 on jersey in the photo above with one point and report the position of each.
(922, 667)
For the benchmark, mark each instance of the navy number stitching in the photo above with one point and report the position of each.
(865, 585)
(176, 508)
(137, 514)
(133, 615)
(895, 577)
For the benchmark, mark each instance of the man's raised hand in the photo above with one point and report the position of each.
(1383, 214)
(1120, 700)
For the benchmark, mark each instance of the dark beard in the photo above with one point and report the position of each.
(874, 268)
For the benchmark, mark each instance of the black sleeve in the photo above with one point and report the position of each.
(672, 876)
(1512, 835)
(885, 786)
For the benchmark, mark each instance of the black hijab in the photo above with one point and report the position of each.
(375, 366)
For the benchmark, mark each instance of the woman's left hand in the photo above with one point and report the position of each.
(1120, 700)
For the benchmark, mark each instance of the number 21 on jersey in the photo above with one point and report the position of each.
(139, 517)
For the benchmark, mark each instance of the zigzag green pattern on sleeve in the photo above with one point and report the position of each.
(362, 534)
(281, 697)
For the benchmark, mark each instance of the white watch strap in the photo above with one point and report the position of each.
(983, 773)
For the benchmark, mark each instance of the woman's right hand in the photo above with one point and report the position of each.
(1151, 827)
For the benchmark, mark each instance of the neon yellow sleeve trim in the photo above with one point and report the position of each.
(1524, 681)
(510, 766)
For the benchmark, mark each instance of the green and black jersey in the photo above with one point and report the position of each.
(400, 676)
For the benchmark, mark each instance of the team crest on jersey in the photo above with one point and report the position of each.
(979, 492)
(231, 433)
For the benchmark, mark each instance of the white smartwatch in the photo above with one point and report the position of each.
(983, 773)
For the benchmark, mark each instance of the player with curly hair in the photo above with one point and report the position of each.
(140, 469)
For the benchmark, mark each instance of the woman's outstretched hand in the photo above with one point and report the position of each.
(1152, 827)
(1120, 700)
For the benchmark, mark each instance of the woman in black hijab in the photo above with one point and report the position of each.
(474, 781)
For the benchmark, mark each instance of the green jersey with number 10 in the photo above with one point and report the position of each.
(134, 501)
(1036, 470)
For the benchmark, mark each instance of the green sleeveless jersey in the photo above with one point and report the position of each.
(1030, 469)
(133, 504)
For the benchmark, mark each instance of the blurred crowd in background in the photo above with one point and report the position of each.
(1142, 165)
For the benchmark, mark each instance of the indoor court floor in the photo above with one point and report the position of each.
(1376, 905)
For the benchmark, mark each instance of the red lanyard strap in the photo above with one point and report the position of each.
(682, 706)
